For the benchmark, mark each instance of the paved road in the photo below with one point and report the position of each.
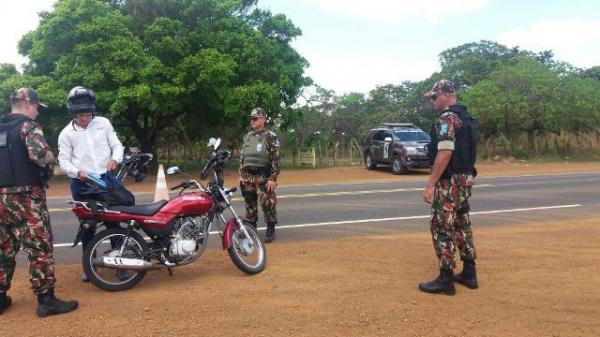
(337, 210)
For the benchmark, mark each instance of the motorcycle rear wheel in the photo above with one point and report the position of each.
(102, 245)
(248, 254)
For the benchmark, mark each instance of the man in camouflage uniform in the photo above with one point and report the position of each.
(259, 168)
(453, 151)
(24, 217)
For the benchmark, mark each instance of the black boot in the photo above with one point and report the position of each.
(441, 285)
(253, 224)
(468, 276)
(270, 236)
(5, 302)
(48, 305)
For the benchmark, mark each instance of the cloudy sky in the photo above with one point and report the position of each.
(354, 45)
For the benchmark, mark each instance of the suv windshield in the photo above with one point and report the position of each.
(411, 136)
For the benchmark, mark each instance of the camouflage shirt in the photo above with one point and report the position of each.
(446, 126)
(272, 147)
(37, 147)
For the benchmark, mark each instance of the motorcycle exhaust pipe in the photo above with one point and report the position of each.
(124, 263)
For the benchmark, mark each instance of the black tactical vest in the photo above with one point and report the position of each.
(465, 145)
(16, 169)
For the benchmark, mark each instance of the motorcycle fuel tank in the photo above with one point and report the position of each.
(189, 204)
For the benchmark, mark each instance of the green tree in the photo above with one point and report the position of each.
(592, 72)
(156, 64)
(517, 98)
(470, 63)
(579, 104)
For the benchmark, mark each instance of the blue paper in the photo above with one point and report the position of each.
(96, 180)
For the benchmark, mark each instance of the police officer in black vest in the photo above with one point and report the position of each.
(453, 150)
(24, 217)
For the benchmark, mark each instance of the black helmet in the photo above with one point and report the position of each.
(81, 99)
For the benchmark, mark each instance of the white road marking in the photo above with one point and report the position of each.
(309, 195)
(323, 194)
(425, 178)
(514, 210)
(332, 223)
(383, 181)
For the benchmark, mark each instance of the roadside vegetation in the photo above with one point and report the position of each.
(170, 74)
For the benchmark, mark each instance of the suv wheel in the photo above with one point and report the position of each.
(369, 163)
(398, 167)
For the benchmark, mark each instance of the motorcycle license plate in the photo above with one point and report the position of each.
(122, 261)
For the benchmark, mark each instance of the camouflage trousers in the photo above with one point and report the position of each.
(254, 188)
(25, 222)
(450, 223)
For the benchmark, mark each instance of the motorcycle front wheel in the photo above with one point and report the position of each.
(247, 253)
(108, 244)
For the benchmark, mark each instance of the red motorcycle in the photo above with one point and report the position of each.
(177, 231)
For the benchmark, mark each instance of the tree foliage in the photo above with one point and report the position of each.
(157, 64)
(513, 93)
(193, 68)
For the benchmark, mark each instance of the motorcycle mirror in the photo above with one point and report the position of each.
(172, 170)
(211, 142)
(214, 142)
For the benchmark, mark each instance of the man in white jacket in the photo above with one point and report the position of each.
(87, 145)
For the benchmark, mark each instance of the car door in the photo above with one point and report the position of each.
(378, 146)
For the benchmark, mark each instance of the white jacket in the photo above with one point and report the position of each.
(88, 149)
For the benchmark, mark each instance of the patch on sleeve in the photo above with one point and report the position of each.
(443, 129)
(3, 139)
(446, 145)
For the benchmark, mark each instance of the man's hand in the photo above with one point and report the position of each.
(271, 185)
(441, 162)
(82, 175)
(112, 165)
(428, 194)
(49, 159)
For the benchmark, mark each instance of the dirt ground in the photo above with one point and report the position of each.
(535, 280)
(357, 174)
(538, 279)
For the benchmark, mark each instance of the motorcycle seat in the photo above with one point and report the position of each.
(144, 209)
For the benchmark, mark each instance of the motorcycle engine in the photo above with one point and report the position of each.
(188, 233)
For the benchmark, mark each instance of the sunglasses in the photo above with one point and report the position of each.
(254, 119)
(433, 97)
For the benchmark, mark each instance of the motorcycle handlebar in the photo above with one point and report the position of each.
(216, 159)
(204, 173)
(184, 184)
(176, 187)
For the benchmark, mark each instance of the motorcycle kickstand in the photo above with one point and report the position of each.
(170, 271)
